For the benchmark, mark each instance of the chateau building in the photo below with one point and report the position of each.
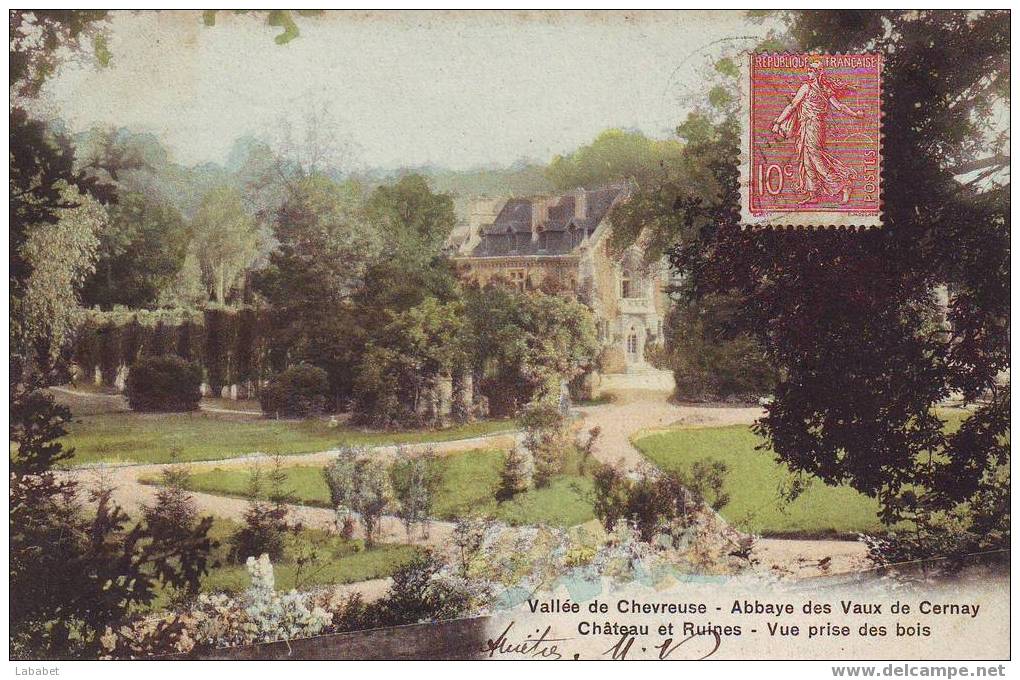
(562, 243)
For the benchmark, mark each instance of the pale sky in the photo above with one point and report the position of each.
(455, 90)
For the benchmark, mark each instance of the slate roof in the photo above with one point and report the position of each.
(560, 234)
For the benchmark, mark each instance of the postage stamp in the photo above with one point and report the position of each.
(811, 140)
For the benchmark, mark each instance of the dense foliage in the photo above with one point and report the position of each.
(296, 392)
(851, 320)
(613, 156)
(527, 343)
(140, 253)
(164, 383)
(77, 568)
(711, 356)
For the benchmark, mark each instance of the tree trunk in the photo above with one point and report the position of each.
(221, 292)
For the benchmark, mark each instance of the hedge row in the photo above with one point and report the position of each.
(229, 343)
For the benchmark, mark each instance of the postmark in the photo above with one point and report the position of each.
(811, 140)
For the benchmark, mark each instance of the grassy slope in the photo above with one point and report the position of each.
(152, 438)
(469, 484)
(754, 480)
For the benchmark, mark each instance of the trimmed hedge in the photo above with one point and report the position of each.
(220, 335)
(166, 383)
(231, 345)
(299, 391)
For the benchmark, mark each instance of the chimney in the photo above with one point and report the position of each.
(580, 204)
(539, 212)
(482, 212)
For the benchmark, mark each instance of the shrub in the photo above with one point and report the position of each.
(191, 339)
(360, 486)
(517, 473)
(86, 349)
(415, 478)
(164, 339)
(220, 334)
(266, 520)
(587, 449)
(420, 593)
(166, 383)
(547, 438)
(658, 502)
(246, 345)
(652, 504)
(298, 391)
(710, 358)
(133, 339)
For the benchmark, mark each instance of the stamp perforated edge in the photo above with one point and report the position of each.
(816, 219)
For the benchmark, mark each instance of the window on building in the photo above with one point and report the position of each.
(632, 341)
(631, 284)
(576, 236)
(519, 279)
(543, 241)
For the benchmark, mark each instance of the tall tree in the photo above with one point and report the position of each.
(41, 170)
(413, 221)
(226, 238)
(526, 343)
(615, 155)
(141, 253)
(325, 246)
(61, 256)
(852, 319)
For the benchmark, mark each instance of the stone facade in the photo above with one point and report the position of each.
(561, 243)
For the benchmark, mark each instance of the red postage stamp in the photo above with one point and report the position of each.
(811, 140)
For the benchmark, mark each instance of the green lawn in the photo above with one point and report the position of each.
(336, 561)
(469, 484)
(754, 478)
(153, 438)
(753, 484)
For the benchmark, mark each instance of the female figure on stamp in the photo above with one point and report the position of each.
(804, 119)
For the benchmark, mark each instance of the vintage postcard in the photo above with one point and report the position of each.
(509, 336)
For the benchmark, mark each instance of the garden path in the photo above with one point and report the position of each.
(621, 420)
(131, 494)
(634, 411)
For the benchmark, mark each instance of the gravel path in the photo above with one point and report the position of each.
(623, 419)
(630, 414)
(636, 411)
